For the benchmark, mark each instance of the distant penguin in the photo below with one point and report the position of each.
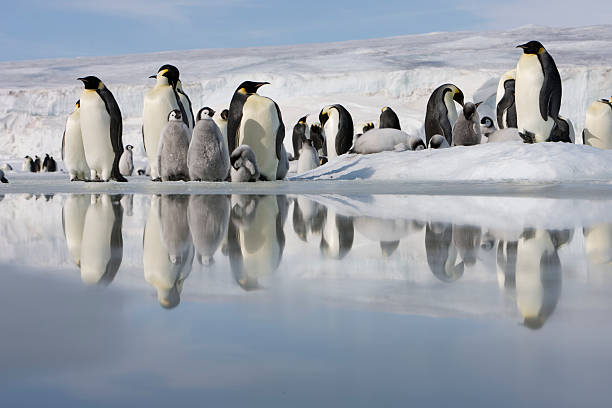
(186, 102)
(441, 112)
(442, 253)
(598, 125)
(6, 167)
(37, 164)
(2, 178)
(466, 131)
(28, 165)
(102, 243)
(301, 131)
(283, 164)
(74, 212)
(506, 107)
(309, 157)
(207, 157)
(45, 164)
(208, 218)
(337, 124)
(337, 235)
(51, 165)
(537, 93)
(102, 130)
(388, 119)
(256, 121)
(126, 163)
(173, 148)
(158, 103)
(364, 127)
(244, 165)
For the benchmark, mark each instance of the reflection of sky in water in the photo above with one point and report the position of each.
(298, 301)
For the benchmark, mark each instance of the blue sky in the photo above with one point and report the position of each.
(32, 29)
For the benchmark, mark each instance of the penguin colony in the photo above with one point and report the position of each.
(245, 142)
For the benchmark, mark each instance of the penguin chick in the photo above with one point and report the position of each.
(207, 158)
(126, 162)
(466, 131)
(173, 147)
(487, 126)
(244, 166)
(438, 142)
(309, 157)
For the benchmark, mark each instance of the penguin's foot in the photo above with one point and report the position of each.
(4, 180)
(528, 137)
(158, 179)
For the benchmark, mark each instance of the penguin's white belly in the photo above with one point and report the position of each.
(158, 103)
(259, 242)
(309, 159)
(598, 126)
(258, 129)
(222, 124)
(96, 245)
(331, 129)
(451, 110)
(331, 234)
(74, 213)
(74, 152)
(95, 128)
(529, 81)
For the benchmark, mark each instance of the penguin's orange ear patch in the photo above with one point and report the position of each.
(541, 50)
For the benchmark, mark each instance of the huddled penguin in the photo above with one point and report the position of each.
(102, 130)
(438, 142)
(309, 157)
(441, 112)
(2, 177)
(317, 137)
(208, 218)
(506, 107)
(126, 163)
(363, 127)
(186, 102)
(537, 95)
(45, 164)
(301, 131)
(244, 165)
(337, 125)
(102, 243)
(466, 131)
(173, 148)
(337, 235)
(158, 103)
(598, 125)
(442, 253)
(207, 157)
(563, 131)
(51, 165)
(74, 212)
(388, 119)
(256, 121)
(308, 216)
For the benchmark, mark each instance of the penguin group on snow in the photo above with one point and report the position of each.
(245, 142)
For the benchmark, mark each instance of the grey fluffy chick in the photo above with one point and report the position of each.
(173, 147)
(126, 162)
(466, 131)
(207, 158)
(244, 166)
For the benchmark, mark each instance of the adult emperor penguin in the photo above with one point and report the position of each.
(256, 121)
(441, 112)
(73, 152)
(173, 148)
(208, 218)
(506, 107)
(337, 235)
(301, 131)
(28, 163)
(207, 157)
(388, 119)
(537, 93)
(102, 130)
(337, 124)
(442, 253)
(126, 163)
(74, 212)
(186, 102)
(598, 125)
(466, 130)
(102, 243)
(158, 103)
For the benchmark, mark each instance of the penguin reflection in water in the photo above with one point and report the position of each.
(255, 237)
(208, 218)
(337, 235)
(74, 212)
(442, 253)
(308, 217)
(167, 248)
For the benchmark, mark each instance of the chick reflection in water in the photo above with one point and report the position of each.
(208, 218)
(102, 243)
(442, 253)
(167, 248)
(255, 237)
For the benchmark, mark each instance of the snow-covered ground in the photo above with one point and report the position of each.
(401, 72)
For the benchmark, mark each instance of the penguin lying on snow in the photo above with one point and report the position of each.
(244, 165)
(173, 147)
(380, 140)
(466, 131)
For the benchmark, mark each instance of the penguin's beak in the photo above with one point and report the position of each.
(259, 85)
(478, 104)
(523, 46)
(81, 79)
(153, 76)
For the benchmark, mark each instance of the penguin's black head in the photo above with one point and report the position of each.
(532, 47)
(368, 126)
(205, 111)
(324, 115)
(469, 109)
(91, 82)
(174, 115)
(250, 87)
(607, 102)
(458, 97)
(487, 121)
(169, 71)
(224, 114)
(302, 120)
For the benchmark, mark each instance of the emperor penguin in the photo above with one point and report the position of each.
(301, 131)
(380, 140)
(37, 164)
(598, 125)
(387, 231)
(208, 218)
(102, 243)
(173, 148)
(283, 164)
(441, 112)
(74, 212)
(466, 131)
(309, 157)
(102, 130)
(337, 124)
(186, 102)
(318, 138)
(45, 165)
(28, 164)
(256, 121)
(337, 235)
(126, 163)
(442, 253)
(220, 119)
(388, 119)
(537, 93)
(51, 165)
(506, 107)
(206, 111)
(164, 271)
(207, 157)
(244, 165)
(158, 103)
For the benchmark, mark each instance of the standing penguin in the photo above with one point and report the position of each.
(158, 103)
(51, 165)
(598, 125)
(45, 165)
(173, 148)
(301, 130)
(466, 131)
(102, 130)
(256, 121)
(537, 94)
(338, 127)
(441, 112)
(28, 164)
(207, 157)
(309, 157)
(186, 102)
(126, 163)
(388, 119)
(37, 164)
(337, 235)
(506, 108)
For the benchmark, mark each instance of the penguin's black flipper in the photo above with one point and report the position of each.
(583, 139)
(280, 132)
(234, 119)
(550, 93)
(143, 138)
(116, 130)
(63, 145)
(505, 103)
(188, 108)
